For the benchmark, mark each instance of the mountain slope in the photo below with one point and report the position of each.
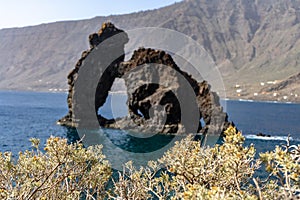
(285, 90)
(251, 41)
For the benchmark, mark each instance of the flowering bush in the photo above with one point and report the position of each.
(186, 171)
(222, 172)
(283, 165)
(62, 171)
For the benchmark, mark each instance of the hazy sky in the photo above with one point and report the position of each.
(18, 13)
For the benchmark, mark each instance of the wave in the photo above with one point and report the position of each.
(255, 137)
(260, 101)
(117, 92)
(246, 100)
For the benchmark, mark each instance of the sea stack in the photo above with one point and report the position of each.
(159, 92)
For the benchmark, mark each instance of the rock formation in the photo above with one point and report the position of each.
(263, 135)
(161, 97)
(107, 30)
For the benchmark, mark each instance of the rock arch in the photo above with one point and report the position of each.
(154, 104)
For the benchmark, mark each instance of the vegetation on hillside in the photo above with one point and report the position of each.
(70, 171)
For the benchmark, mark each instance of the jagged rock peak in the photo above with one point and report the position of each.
(107, 30)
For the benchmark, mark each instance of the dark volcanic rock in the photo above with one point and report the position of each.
(107, 30)
(161, 97)
(262, 135)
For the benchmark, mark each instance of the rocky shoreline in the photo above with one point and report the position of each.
(286, 91)
(266, 100)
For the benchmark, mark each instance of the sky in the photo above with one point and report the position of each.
(20, 13)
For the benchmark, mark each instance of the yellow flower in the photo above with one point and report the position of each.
(187, 194)
(172, 170)
(35, 158)
(269, 168)
(214, 188)
(295, 176)
(2, 190)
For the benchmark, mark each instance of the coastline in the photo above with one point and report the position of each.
(261, 101)
(257, 100)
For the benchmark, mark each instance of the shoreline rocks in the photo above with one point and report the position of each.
(263, 135)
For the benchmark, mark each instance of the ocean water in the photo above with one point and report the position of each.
(24, 115)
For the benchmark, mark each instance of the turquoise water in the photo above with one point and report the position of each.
(30, 114)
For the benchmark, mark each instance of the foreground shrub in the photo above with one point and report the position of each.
(222, 172)
(186, 171)
(283, 166)
(62, 171)
(192, 172)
